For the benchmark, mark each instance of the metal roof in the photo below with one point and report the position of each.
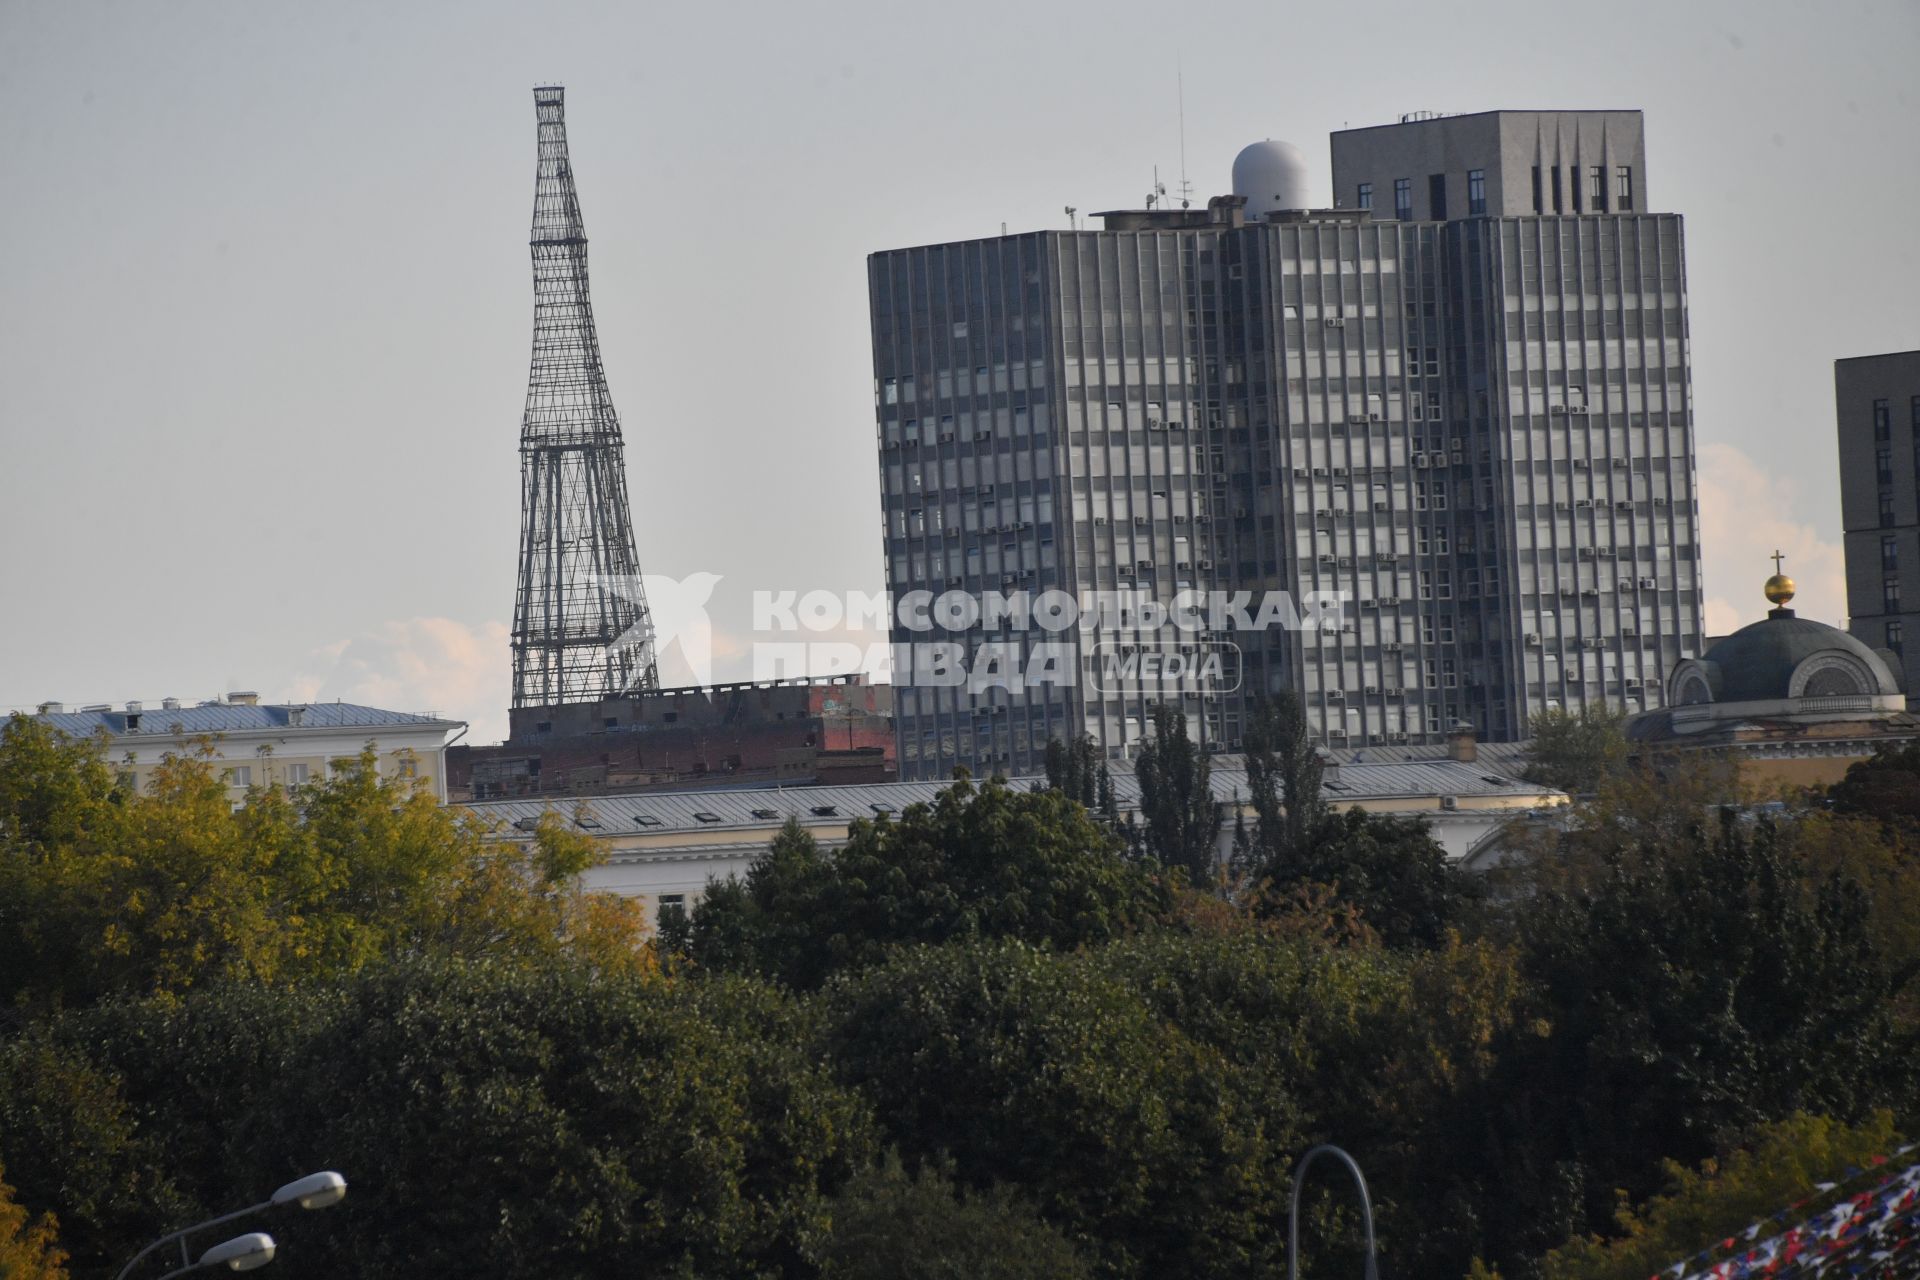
(230, 717)
(736, 809)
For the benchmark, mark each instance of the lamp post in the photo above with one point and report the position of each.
(242, 1253)
(1293, 1215)
(315, 1191)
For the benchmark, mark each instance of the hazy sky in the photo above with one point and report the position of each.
(267, 303)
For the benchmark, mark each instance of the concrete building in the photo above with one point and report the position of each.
(772, 733)
(256, 744)
(1462, 407)
(1877, 408)
(1791, 701)
(666, 847)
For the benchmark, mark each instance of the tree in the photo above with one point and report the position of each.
(1779, 1166)
(892, 1225)
(1183, 819)
(103, 892)
(29, 1246)
(1885, 786)
(551, 1119)
(979, 862)
(1074, 768)
(1697, 988)
(1032, 1069)
(1284, 773)
(1577, 751)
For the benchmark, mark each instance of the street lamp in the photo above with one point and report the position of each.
(315, 1191)
(242, 1253)
(1293, 1215)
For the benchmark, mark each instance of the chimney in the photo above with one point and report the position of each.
(1461, 743)
(243, 698)
(1329, 766)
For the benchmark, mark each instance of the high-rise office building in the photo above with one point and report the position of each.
(1877, 408)
(1459, 399)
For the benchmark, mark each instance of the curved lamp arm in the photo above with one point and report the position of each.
(315, 1191)
(1293, 1214)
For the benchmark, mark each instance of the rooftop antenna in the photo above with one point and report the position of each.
(1071, 220)
(1159, 192)
(1180, 82)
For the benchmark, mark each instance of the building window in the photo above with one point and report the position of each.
(1437, 197)
(296, 774)
(1365, 198)
(1599, 185)
(1883, 464)
(1883, 419)
(1623, 189)
(1403, 199)
(1556, 188)
(1538, 206)
(240, 775)
(1889, 552)
(1573, 180)
(1476, 191)
(1886, 511)
(1890, 595)
(1896, 638)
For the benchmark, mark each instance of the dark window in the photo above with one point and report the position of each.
(1889, 553)
(1366, 195)
(1883, 463)
(1623, 189)
(1599, 187)
(1538, 207)
(1895, 637)
(1476, 191)
(1916, 420)
(1882, 420)
(1890, 595)
(1403, 199)
(1579, 190)
(1886, 511)
(1556, 188)
(1437, 197)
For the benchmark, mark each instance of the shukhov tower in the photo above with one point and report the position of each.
(581, 631)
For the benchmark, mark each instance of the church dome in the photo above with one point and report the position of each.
(1783, 659)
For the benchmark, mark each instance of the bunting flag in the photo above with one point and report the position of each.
(1872, 1231)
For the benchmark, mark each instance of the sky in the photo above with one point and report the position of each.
(267, 300)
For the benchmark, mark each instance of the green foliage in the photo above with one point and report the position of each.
(1033, 1069)
(1885, 786)
(1696, 989)
(979, 862)
(1780, 1166)
(103, 893)
(1577, 751)
(1176, 798)
(891, 1225)
(1284, 774)
(1390, 869)
(1074, 768)
(548, 1119)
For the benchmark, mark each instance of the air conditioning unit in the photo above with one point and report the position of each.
(1449, 802)
(1327, 559)
(1099, 520)
(1619, 464)
(1336, 322)
(1579, 464)
(1340, 471)
(1205, 565)
(1387, 602)
(1459, 457)
(1556, 408)
(1155, 424)
(1369, 604)
(1563, 505)
(1567, 589)
(1356, 419)
(1586, 553)
(1396, 737)
(1300, 471)
(1576, 408)
(979, 436)
(1141, 522)
(1322, 513)
(1582, 504)
(1623, 506)
(1346, 562)
(1386, 557)
(946, 437)
(1391, 646)
(1336, 695)
(1649, 584)
(1144, 564)
(1373, 690)
(1320, 471)
(1380, 506)
(893, 444)
(1533, 640)
(1419, 459)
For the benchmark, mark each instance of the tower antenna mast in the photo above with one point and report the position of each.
(1180, 84)
(581, 628)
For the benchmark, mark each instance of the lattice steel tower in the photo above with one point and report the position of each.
(581, 630)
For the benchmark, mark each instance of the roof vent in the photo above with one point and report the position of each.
(243, 698)
(294, 716)
(97, 706)
(135, 708)
(169, 704)
(51, 708)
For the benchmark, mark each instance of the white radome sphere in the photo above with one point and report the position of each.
(1271, 175)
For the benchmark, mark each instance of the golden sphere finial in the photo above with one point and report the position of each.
(1779, 588)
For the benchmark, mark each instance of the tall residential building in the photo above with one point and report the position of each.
(1877, 404)
(1462, 405)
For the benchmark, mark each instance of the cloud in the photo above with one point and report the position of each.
(419, 664)
(1746, 514)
